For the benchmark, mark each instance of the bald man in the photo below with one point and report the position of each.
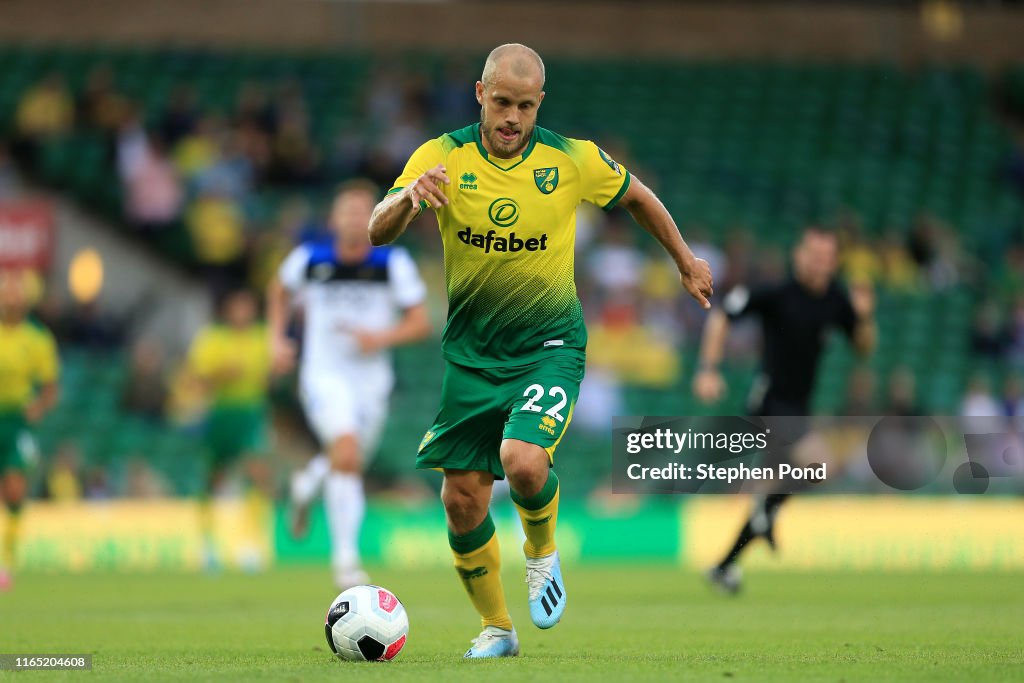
(505, 193)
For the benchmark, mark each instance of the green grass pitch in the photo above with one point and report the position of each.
(623, 623)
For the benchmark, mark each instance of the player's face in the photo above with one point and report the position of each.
(240, 310)
(816, 260)
(350, 216)
(12, 295)
(508, 113)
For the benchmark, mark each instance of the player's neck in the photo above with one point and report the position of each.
(351, 253)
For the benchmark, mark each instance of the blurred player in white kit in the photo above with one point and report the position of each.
(358, 301)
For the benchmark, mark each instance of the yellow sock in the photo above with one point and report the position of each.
(11, 538)
(478, 562)
(539, 515)
(257, 513)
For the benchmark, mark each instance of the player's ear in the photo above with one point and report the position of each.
(480, 93)
(541, 98)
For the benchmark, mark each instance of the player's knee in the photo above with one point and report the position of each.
(525, 465)
(464, 507)
(14, 489)
(344, 454)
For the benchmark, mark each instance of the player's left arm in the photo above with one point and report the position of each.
(412, 326)
(409, 292)
(46, 372)
(651, 214)
(863, 331)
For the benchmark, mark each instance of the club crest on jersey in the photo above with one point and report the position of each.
(546, 179)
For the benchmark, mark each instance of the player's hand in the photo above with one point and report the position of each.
(428, 188)
(282, 356)
(862, 298)
(708, 385)
(697, 281)
(370, 342)
(34, 412)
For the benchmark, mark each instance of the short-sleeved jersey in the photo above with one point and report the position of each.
(236, 363)
(341, 298)
(509, 233)
(28, 359)
(795, 323)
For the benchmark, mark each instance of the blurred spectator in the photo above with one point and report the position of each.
(900, 270)
(88, 326)
(100, 106)
(615, 263)
(153, 190)
(63, 482)
(454, 101)
(600, 400)
(145, 389)
(45, 111)
(901, 393)
(142, 481)
(253, 110)
(633, 352)
(861, 263)
(1009, 275)
(988, 335)
(180, 117)
(9, 184)
(860, 393)
(198, 150)
(1016, 332)
(217, 228)
(979, 401)
(295, 158)
(1013, 396)
(230, 173)
(97, 484)
(934, 249)
(384, 99)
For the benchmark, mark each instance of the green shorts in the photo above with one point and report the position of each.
(16, 445)
(482, 406)
(234, 431)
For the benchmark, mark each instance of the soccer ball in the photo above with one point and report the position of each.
(366, 623)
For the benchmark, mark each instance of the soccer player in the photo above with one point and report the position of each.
(795, 316)
(28, 390)
(505, 192)
(231, 359)
(359, 302)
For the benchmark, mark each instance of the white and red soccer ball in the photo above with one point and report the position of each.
(367, 623)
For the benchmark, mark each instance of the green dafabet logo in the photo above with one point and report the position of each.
(503, 212)
(546, 179)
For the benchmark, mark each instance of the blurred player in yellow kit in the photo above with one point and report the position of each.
(231, 359)
(28, 390)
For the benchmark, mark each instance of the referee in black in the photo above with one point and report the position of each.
(796, 315)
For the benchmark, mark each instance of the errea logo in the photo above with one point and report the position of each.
(468, 181)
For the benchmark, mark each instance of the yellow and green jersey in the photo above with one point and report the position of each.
(28, 359)
(235, 363)
(509, 234)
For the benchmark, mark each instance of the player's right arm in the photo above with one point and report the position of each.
(708, 384)
(420, 186)
(288, 279)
